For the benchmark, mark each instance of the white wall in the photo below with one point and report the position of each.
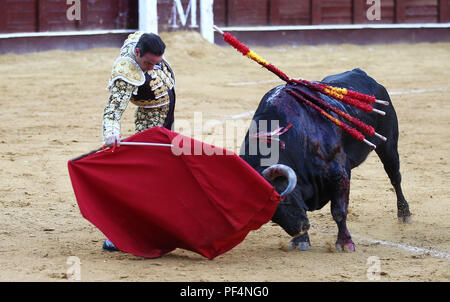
(207, 19)
(148, 16)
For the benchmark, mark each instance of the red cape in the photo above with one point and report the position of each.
(148, 201)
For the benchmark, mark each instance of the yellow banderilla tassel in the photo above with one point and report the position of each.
(334, 94)
(339, 90)
(256, 58)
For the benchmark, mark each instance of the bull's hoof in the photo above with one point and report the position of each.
(405, 219)
(303, 246)
(300, 243)
(345, 247)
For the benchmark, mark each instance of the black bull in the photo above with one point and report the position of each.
(322, 156)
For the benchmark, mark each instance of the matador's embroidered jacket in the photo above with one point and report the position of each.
(152, 92)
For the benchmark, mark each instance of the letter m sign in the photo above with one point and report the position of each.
(179, 10)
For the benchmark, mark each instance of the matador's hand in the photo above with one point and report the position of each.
(111, 140)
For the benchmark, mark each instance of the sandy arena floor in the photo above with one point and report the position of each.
(51, 107)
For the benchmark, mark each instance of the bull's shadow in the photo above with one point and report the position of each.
(315, 159)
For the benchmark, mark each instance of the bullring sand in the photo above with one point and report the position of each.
(51, 108)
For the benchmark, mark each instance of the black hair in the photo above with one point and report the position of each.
(151, 43)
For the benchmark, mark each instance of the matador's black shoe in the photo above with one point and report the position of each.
(108, 246)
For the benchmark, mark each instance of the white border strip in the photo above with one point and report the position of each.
(412, 249)
(253, 83)
(409, 248)
(337, 26)
(236, 28)
(67, 33)
(230, 117)
(418, 91)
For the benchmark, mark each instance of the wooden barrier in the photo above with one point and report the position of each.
(50, 15)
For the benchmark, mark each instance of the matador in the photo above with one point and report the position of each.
(142, 76)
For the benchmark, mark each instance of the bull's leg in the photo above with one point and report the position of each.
(300, 243)
(339, 210)
(388, 155)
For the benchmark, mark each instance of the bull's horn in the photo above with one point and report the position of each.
(281, 170)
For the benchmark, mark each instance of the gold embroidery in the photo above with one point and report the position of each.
(117, 103)
(125, 67)
(148, 118)
(155, 84)
(160, 92)
(127, 70)
(133, 37)
(151, 103)
(161, 81)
